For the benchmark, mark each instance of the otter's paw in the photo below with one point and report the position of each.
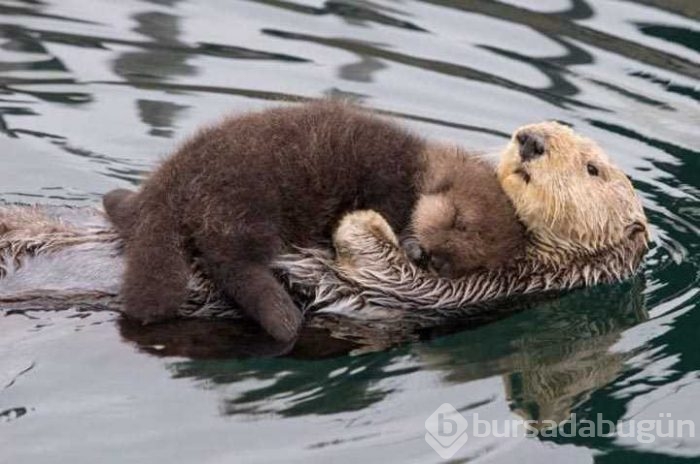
(358, 230)
(282, 322)
(360, 237)
(414, 251)
(152, 315)
(149, 300)
(148, 314)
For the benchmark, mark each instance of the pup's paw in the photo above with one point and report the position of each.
(148, 314)
(414, 251)
(282, 322)
(150, 302)
(360, 235)
(363, 225)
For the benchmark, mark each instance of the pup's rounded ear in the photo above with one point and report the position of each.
(432, 212)
(121, 209)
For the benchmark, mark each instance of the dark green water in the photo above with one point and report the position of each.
(94, 92)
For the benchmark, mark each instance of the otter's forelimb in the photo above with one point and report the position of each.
(262, 297)
(157, 270)
(155, 281)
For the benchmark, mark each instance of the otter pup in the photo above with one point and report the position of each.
(585, 226)
(240, 193)
(463, 220)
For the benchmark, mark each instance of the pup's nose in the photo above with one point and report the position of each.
(441, 265)
(531, 145)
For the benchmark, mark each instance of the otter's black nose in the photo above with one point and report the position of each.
(531, 145)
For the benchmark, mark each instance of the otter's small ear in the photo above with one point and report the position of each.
(635, 228)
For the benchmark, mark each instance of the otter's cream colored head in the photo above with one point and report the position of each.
(567, 191)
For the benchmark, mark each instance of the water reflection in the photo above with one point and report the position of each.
(687, 8)
(552, 24)
(229, 352)
(39, 63)
(92, 92)
(363, 48)
(357, 13)
(166, 57)
(551, 357)
(164, 54)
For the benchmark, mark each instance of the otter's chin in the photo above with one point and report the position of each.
(523, 174)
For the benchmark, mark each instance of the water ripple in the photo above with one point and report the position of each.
(91, 97)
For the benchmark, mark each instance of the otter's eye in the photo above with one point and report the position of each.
(592, 170)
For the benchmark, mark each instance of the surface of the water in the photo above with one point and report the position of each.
(94, 92)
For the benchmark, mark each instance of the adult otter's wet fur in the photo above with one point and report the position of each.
(370, 271)
(585, 225)
(576, 204)
(69, 258)
(239, 194)
(463, 220)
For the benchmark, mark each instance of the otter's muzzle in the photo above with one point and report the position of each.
(531, 145)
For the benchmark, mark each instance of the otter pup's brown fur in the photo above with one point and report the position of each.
(240, 193)
(463, 219)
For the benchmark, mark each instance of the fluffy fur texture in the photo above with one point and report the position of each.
(575, 203)
(369, 260)
(27, 231)
(369, 276)
(240, 193)
(237, 194)
(463, 219)
(370, 273)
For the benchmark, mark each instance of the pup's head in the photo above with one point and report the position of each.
(463, 221)
(460, 232)
(567, 192)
